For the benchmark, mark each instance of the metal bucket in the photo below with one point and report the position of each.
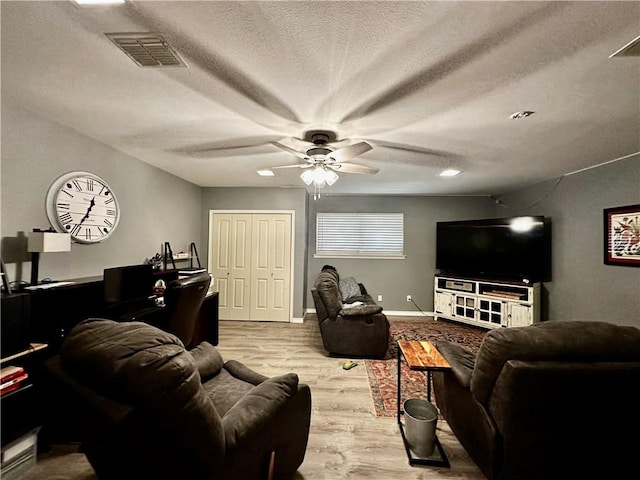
(421, 418)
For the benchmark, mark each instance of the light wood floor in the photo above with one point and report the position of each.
(347, 440)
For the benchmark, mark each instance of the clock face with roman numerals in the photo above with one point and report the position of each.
(83, 205)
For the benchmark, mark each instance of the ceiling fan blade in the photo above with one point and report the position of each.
(297, 165)
(347, 153)
(298, 154)
(412, 149)
(353, 168)
(227, 148)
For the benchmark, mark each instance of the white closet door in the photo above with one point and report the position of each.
(271, 267)
(232, 265)
(251, 265)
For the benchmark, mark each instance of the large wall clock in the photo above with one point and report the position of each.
(83, 204)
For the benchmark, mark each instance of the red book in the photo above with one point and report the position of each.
(13, 384)
(9, 389)
(10, 372)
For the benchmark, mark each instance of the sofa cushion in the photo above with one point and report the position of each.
(349, 288)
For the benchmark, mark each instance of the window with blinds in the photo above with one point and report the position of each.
(372, 235)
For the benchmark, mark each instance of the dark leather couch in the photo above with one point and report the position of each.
(555, 400)
(151, 409)
(358, 331)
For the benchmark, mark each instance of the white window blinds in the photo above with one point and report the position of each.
(360, 234)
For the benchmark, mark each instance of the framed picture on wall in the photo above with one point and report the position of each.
(622, 236)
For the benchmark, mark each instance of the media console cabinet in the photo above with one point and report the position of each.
(486, 303)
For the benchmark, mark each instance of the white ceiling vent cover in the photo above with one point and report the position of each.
(631, 49)
(147, 49)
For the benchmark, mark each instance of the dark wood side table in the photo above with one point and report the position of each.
(423, 356)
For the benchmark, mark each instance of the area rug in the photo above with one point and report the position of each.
(382, 374)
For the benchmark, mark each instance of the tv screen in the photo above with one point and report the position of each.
(123, 284)
(513, 248)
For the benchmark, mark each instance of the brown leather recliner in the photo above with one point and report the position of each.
(151, 409)
(360, 331)
(553, 400)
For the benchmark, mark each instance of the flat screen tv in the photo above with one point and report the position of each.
(513, 248)
(128, 283)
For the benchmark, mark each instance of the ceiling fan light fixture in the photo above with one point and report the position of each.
(449, 172)
(331, 177)
(319, 176)
(307, 177)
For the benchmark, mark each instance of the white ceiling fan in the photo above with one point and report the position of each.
(322, 160)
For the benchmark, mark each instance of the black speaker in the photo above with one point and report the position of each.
(15, 323)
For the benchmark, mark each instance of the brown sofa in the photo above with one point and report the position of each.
(554, 400)
(151, 409)
(351, 324)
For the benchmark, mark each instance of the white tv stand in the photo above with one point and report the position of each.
(486, 303)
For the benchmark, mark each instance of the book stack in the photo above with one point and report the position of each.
(12, 378)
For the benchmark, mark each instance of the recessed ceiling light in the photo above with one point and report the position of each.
(449, 172)
(266, 173)
(522, 114)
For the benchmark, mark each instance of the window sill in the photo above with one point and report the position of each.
(360, 257)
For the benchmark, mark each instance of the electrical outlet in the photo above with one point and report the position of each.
(379, 298)
(408, 298)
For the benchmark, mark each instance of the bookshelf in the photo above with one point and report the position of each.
(20, 412)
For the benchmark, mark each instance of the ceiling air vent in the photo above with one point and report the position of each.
(631, 49)
(147, 49)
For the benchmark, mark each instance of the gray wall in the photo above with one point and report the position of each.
(582, 286)
(394, 279)
(156, 206)
(265, 199)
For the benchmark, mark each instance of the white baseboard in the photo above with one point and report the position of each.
(297, 320)
(393, 313)
(408, 313)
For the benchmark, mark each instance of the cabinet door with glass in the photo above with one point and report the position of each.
(465, 307)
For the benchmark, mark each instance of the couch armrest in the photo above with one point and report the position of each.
(244, 373)
(257, 408)
(461, 360)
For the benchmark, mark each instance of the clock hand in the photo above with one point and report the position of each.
(86, 215)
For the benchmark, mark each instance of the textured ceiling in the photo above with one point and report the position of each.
(428, 84)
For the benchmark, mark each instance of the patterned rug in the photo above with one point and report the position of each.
(383, 373)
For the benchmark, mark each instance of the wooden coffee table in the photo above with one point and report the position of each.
(423, 356)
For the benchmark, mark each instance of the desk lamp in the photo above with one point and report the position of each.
(45, 241)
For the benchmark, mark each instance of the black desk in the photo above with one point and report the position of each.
(56, 310)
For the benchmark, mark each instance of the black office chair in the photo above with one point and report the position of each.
(182, 301)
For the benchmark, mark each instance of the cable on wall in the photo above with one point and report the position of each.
(500, 203)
